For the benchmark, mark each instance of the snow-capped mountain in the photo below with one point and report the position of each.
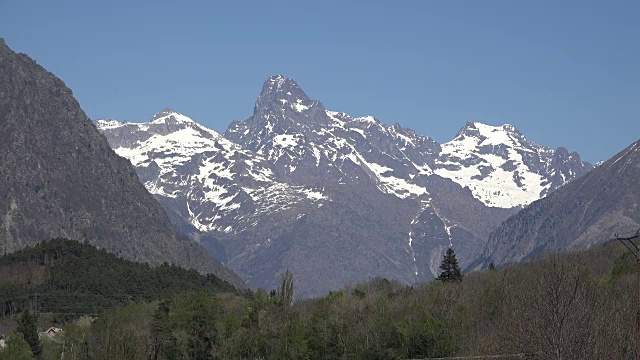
(209, 182)
(177, 157)
(336, 198)
(502, 168)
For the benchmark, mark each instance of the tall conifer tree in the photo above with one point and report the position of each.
(450, 268)
(27, 326)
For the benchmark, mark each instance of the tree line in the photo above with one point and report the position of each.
(70, 279)
(564, 306)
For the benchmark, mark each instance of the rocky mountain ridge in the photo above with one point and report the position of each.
(336, 198)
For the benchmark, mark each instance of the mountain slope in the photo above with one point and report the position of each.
(60, 178)
(587, 211)
(72, 279)
(335, 198)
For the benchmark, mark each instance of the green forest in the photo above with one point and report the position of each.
(579, 305)
(71, 279)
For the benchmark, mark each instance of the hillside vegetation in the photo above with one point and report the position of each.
(565, 306)
(72, 279)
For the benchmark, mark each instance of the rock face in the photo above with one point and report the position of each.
(334, 198)
(60, 178)
(585, 212)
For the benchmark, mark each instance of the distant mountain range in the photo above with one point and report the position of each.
(335, 198)
(60, 178)
(585, 212)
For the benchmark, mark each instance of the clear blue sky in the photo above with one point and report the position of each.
(563, 72)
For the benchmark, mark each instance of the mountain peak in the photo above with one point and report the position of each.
(478, 129)
(282, 98)
(170, 115)
(164, 113)
(280, 81)
(562, 151)
(279, 87)
(469, 129)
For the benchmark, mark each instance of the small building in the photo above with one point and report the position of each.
(2, 342)
(52, 332)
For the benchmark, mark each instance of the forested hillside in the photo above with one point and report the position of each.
(566, 306)
(70, 279)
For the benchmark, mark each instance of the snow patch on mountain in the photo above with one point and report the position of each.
(109, 124)
(286, 140)
(299, 107)
(389, 183)
(490, 161)
(315, 195)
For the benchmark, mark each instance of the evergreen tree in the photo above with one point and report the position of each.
(27, 326)
(492, 266)
(450, 268)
